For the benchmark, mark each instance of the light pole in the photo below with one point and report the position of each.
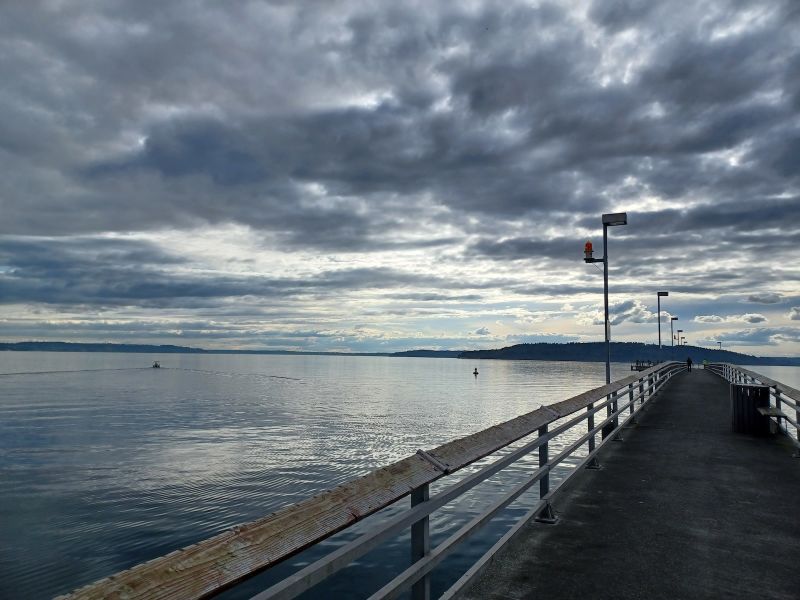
(671, 333)
(679, 332)
(683, 340)
(609, 220)
(659, 295)
(720, 345)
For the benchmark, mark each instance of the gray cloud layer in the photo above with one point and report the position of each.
(488, 133)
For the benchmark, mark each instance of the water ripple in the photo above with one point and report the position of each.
(104, 465)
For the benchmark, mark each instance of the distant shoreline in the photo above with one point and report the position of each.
(572, 351)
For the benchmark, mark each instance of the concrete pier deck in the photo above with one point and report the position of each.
(683, 508)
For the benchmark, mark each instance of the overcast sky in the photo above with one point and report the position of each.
(382, 176)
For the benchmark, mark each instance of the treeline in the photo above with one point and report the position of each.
(96, 347)
(623, 352)
(154, 349)
(577, 351)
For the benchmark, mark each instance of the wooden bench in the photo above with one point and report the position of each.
(771, 411)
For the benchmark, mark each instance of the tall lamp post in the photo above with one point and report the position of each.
(679, 332)
(659, 295)
(720, 345)
(609, 220)
(671, 333)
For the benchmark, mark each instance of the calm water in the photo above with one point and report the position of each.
(105, 462)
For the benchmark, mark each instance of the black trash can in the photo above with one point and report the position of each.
(745, 402)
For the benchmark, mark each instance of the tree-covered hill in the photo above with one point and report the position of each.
(623, 352)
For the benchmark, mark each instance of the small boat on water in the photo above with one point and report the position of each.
(475, 372)
(156, 365)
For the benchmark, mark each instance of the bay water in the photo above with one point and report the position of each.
(106, 462)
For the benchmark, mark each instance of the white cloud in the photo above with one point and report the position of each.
(632, 311)
(763, 336)
(708, 319)
(752, 318)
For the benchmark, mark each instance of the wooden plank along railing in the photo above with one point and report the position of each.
(207, 567)
(781, 397)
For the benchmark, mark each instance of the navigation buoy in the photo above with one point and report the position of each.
(475, 372)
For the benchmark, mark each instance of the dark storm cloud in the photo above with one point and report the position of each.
(180, 332)
(530, 127)
(758, 214)
(126, 272)
(765, 298)
(765, 336)
(49, 256)
(437, 297)
(619, 15)
(528, 249)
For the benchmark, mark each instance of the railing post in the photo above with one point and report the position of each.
(797, 420)
(592, 464)
(544, 482)
(611, 409)
(614, 407)
(615, 422)
(420, 543)
(641, 390)
(547, 515)
(630, 397)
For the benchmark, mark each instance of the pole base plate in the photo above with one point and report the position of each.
(547, 515)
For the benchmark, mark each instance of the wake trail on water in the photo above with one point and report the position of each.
(232, 374)
(205, 371)
(73, 371)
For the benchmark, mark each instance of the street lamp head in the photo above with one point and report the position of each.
(673, 318)
(662, 293)
(615, 219)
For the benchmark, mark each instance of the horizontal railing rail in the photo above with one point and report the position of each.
(781, 396)
(212, 565)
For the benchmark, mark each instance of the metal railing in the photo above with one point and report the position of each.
(218, 563)
(781, 397)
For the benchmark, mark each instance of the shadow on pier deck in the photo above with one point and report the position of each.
(683, 508)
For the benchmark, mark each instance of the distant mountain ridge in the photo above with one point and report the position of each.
(150, 348)
(624, 352)
(574, 351)
(96, 347)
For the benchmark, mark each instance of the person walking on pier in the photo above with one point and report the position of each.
(689, 364)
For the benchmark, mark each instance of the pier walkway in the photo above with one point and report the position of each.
(682, 508)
